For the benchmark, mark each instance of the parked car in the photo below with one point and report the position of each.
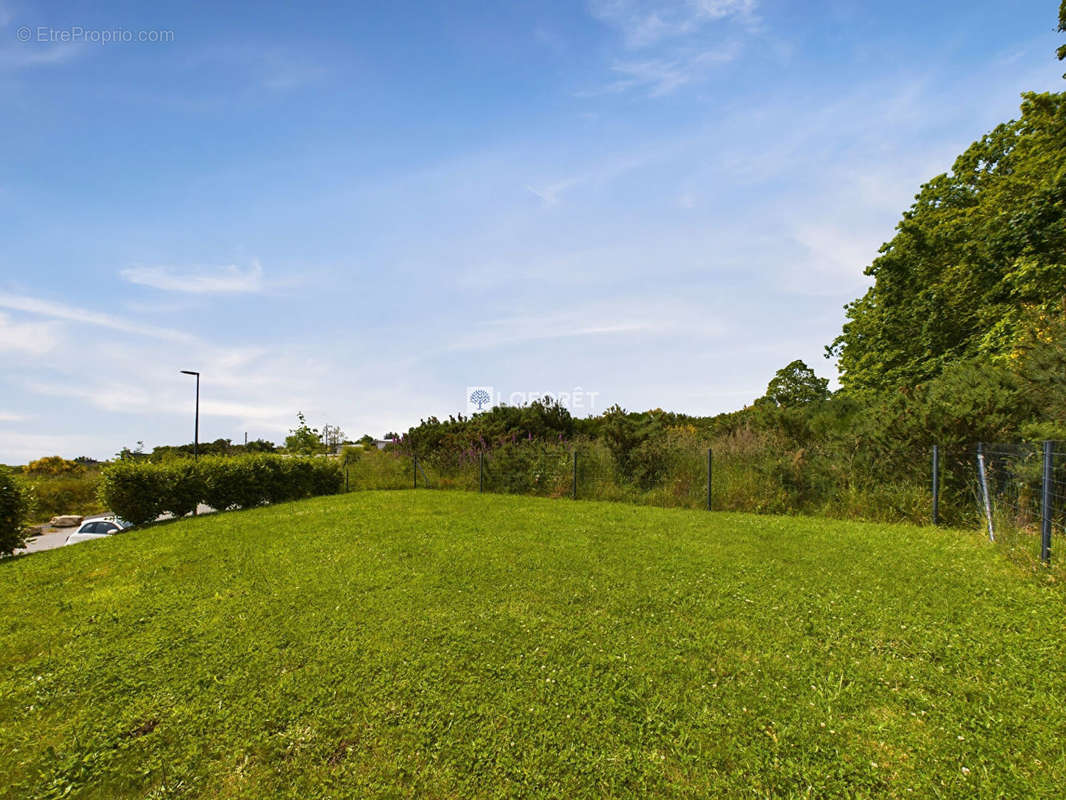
(98, 528)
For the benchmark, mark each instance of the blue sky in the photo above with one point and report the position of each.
(357, 213)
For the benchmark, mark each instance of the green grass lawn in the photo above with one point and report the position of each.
(436, 644)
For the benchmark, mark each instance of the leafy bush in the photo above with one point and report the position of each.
(221, 482)
(14, 507)
(67, 493)
(184, 487)
(141, 491)
(53, 465)
(326, 477)
(135, 490)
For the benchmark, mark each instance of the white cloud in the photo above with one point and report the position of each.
(660, 76)
(7, 416)
(676, 49)
(28, 55)
(59, 311)
(597, 174)
(31, 338)
(502, 333)
(142, 399)
(21, 448)
(625, 318)
(647, 23)
(259, 65)
(108, 395)
(16, 54)
(222, 280)
(550, 194)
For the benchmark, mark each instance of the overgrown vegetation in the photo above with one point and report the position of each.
(62, 486)
(444, 644)
(961, 339)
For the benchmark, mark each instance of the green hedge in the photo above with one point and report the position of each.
(140, 492)
(14, 506)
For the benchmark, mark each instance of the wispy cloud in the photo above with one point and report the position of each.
(607, 170)
(21, 448)
(7, 416)
(521, 330)
(31, 338)
(59, 311)
(644, 23)
(263, 66)
(675, 46)
(222, 280)
(135, 399)
(16, 54)
(23, 56)
(550, 194)
(622, 318)
(661, 76)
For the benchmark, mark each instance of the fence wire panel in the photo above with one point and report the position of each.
(377, 469)
(670, 479)
(1058, 499)
(960, 490)
(532, 468)
(748, 474)
(1016, 477)
(457, 472)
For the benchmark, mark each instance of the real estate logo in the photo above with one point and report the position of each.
(478, 397)
(577, 401)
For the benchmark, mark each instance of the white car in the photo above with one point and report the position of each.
(98, 528)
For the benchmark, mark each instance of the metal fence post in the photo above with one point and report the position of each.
(936, 484)
(983, 476)
(710, 457)
(481, 472)
(414, 469)
(1046, 510)
(345, 470)
(573, 488)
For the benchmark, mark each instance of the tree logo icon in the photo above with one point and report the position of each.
(478, 398)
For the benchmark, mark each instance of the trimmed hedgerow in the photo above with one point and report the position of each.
(135, 491)
(140, 492)
(14, 506)
(184, 487)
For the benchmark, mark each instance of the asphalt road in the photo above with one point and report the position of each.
(52, 538)
(49, 540)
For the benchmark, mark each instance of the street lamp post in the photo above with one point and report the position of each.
(196, 430)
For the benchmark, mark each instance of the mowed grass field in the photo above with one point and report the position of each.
(452, 645)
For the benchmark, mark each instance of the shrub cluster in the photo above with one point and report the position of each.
(140, 491)
(14, 506)
(66, 493)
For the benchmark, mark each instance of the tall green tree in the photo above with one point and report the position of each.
(303, 439)
(796, 385)
(976, 263)
(1062, 29)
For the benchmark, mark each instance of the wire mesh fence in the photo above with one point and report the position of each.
(1026, 495)
(673, 474)
(1024, 483)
